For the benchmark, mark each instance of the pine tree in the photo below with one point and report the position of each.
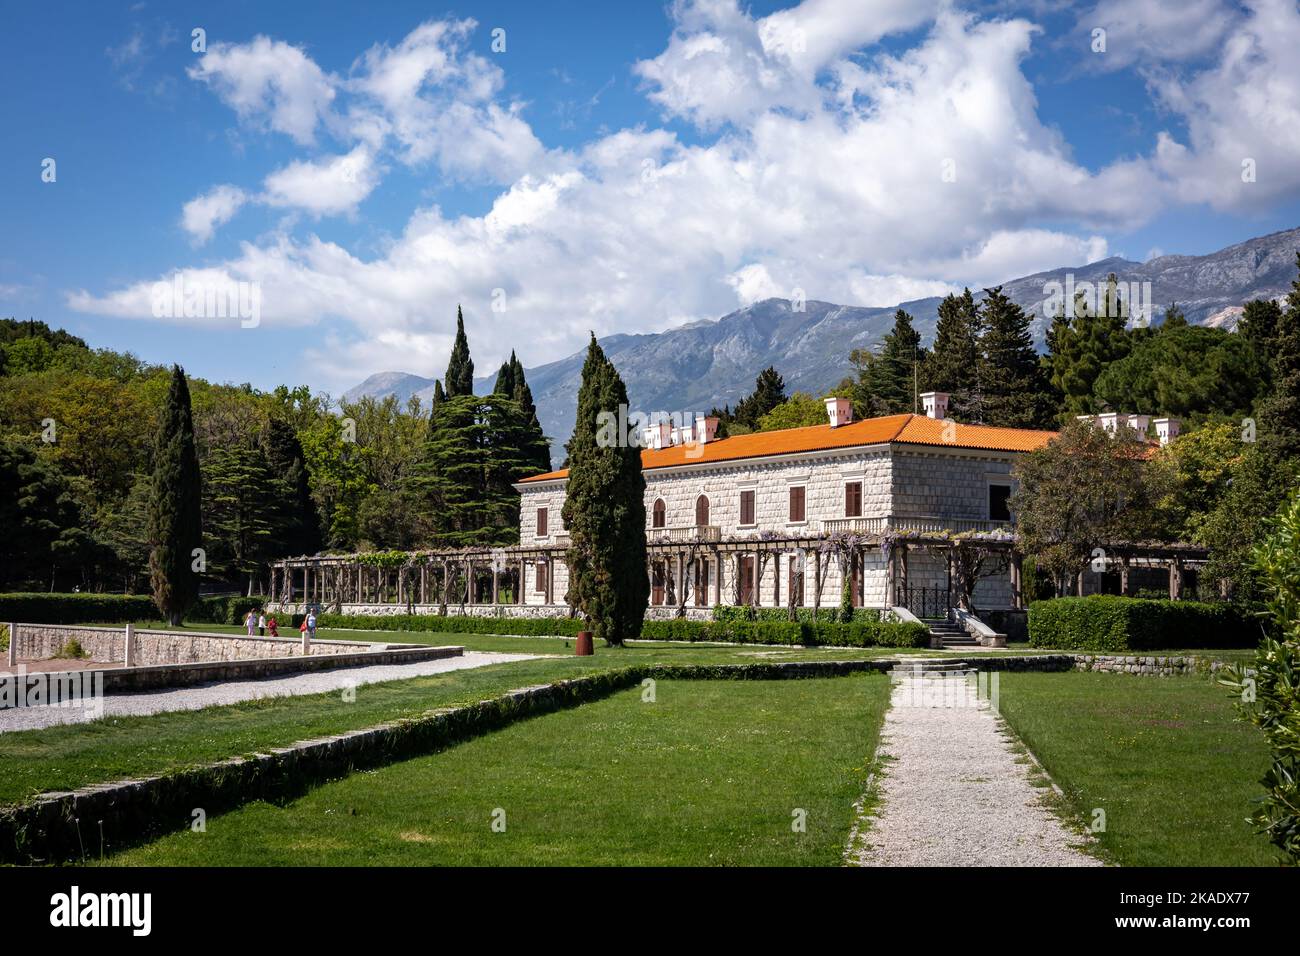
(241, 499)
(769, 392)
(952, 366)
(1175, 318)
(1084, 346)
(604, 511)
(460, 369)
(295, 521)
(1010, 377)
(887, 381)
(175, 522)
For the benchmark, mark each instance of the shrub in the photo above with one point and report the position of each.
(452, 624)
(72, 649)
(1270, 695)
(724, 613)
(223, 610)
(77, 608)
(1109, 624)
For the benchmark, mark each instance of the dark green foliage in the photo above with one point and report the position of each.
(1258, 486)
(1279, 414)
(1107, 624)
(452, 624)
(952, 366)
(77, 608)
(821, 633)
(175, 528)
(40, 523)
(887, 382)
(1270, 689)
(294, 520)
(604, 509)
(769, 392)
(241, 497)
(1083, 346)
(477, 448)
(1183, 371)
(1012, 384)
(460, 369)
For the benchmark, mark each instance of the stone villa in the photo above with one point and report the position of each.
(771, 519)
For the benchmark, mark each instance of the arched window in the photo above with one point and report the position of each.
(658, 520)
(702, 510)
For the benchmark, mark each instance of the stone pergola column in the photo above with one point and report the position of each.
(1175, 579)
(1017, 580)
(1123, 574)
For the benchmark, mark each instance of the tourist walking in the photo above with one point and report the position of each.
(261, 624)
(250, 622)
(311, 624)
(273, 626)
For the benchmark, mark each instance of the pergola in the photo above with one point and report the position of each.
(477, 576)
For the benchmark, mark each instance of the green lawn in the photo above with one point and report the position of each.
(1166, 760)
(63, 758)
(711, 773)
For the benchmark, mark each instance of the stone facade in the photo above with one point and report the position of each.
(949, 486)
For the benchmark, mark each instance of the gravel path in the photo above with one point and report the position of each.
(954, 795)
(233, 692)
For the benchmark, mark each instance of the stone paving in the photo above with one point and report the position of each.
(233, 692)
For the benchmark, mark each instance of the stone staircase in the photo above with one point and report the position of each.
(951, 637)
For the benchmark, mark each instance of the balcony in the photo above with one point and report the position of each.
(685, 533)
(919, 524)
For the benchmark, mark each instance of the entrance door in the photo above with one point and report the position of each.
(657, 585)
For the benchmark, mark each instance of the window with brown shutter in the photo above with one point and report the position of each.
(541, 522)
(702, 510)
(746, 507)
(796, 503)
(853, 499)
(659, 512)
(541, 578)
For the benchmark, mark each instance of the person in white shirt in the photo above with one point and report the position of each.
(261, 624)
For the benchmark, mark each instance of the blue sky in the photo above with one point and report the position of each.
(617, 167)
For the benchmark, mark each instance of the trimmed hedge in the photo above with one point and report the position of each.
(864, 633)
(726, 613)
(1106, 623)
(452, 624)
(116, 609)
(77, 608)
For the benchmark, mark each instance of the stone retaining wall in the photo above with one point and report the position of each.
(107, 645)
(1146, 666)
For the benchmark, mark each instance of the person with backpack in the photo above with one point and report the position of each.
(310, 622)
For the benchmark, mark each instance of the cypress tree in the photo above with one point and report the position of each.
(505, 384)
(604, 510)
(1011, 379)
(952, 365)
(175, 524)
(296, 521)
(460, 368)
(535, 439)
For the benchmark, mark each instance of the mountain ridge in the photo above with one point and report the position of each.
(706, 363)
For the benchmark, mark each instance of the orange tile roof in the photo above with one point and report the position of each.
(891, 429)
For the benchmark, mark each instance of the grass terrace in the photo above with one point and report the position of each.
(710, 773)
(1166, 759)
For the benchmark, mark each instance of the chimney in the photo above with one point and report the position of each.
(1139, 424)
(935, 404)
(1110, 421)
(706, 428)
(1166, 429)
(839, 411)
